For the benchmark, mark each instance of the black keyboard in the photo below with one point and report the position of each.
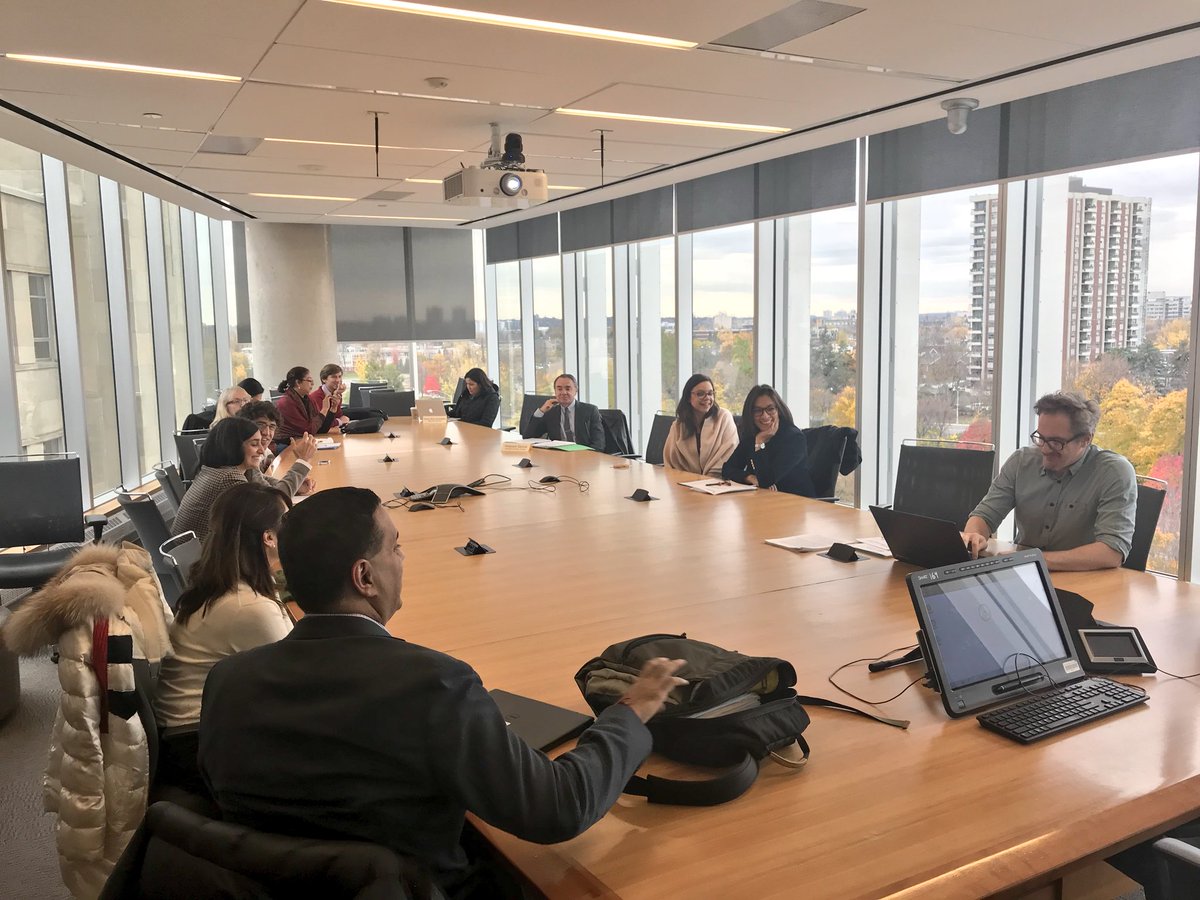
(1060, 708)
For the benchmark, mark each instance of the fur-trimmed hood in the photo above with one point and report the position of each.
(100, 581)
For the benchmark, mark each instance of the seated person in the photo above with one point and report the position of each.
(1073, 500)
(230, 456)
(480, 401)
(229, 606)
(567, 418)
(342, 731)
(771, 452)
(297, 415)
(230, 403)
(253, 387)
(332, 387)
(703, 435)
(266, 417)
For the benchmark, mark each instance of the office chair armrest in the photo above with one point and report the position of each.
(1180, 850)
(96, 523)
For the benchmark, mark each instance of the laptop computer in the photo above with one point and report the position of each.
(429, 408)
(920, 540)
(992, 631)
(542, 726)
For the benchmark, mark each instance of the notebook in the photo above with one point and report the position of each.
(992, 631)
(920, 540)
(430, 408)
(542, 726)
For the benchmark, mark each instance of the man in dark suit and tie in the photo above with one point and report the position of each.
(342, 731)
(567, 418)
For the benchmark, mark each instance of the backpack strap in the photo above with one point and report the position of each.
(725, 787)
(833, 704)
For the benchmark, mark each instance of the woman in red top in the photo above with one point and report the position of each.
(297, 414)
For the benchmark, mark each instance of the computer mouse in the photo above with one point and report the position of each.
(420, 507)
(549, 479)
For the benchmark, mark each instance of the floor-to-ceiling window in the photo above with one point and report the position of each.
(29, 302)
(548, 340)
(597, 380)
(723, 321)
(95, 345)
(141, 334)
(176, 310)
(652, 268)
(508, 336)
(1117, 261)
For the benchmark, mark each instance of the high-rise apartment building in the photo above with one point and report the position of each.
(1105, 286)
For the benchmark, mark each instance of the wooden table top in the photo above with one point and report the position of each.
(944, 809)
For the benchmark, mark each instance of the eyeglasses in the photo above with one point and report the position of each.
(268, 427)
(700, 395)
(1056, 445)
(766, 410)
(238, 403)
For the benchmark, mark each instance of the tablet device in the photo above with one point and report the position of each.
(542, 726)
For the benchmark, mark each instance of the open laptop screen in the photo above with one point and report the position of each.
(992, 622)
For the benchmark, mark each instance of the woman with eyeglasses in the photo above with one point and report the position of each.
(230, 403)
(703, 435)
(297, 413)
(772, 452)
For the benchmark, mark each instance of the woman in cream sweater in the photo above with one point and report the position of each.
(703, 435)
(230, 605)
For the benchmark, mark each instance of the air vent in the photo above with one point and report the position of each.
(788, 24)
(389, 195)
(229, 146)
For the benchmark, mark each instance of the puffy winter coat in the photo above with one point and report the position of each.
(104, 610)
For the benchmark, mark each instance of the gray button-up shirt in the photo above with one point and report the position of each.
(1094, 500)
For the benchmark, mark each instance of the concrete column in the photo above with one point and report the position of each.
(291, 298)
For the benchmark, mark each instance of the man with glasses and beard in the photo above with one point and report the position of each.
(1073, 500)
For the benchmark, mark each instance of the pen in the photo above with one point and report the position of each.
(716, 484)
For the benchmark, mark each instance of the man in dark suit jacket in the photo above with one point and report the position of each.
(566, 417)
(342, 731)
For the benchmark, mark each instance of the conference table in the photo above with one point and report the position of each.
(941, 809)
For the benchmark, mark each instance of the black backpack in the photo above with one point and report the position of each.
(734, 711)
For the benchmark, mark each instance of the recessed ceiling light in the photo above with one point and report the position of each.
(349, 144)
(120, 67)
(303, 197)
(670, 120)
(151, 115)
(397, 218)
(486, 18)
(565, 187)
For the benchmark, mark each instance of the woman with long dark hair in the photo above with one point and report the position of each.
(230, 456)
(230, 605)
(771, 452)
(703, 435)
(480, 401)
(298, 414)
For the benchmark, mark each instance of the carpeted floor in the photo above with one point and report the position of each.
(28, 862)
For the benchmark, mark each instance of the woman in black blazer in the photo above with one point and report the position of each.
(480, 402)
(771, 452)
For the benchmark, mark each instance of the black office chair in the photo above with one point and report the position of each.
(187, 445)
(659, 429)
(357, 387)
(832, 451)
(179, 854)
(942, 479)
(394, 403)
(617, 439)
(170, 482)
(43, 505)
(529, 405)
(1151, 493)
(200, 421)
(152, 533)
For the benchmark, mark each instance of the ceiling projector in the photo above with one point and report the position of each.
(495, 187)
(502, 180)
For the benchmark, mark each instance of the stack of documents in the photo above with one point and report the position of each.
(327, 444)
(811, 543)
(560, 445)
(708, 486)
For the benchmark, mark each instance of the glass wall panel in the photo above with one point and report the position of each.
(177, 310)
(509, 370)
(653, 273)
(723, 311)
(389, 361)
(95, 345)
(1116, 269)
(29, 302)
(441, 363)
(208, 313)
(548, 340)
(597, 384)
(141, 336)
